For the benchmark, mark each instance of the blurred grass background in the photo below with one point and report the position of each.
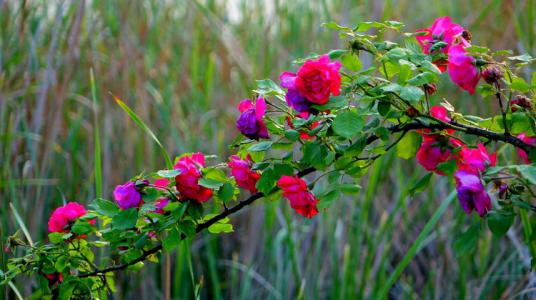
(183, 66)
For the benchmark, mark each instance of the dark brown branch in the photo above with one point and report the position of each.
(413, 125)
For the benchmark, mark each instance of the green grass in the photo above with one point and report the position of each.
(182, 66)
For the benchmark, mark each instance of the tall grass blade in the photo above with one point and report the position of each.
(416, 247)
(21, 224)
(145, 128)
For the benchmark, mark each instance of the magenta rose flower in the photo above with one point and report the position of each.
(472, 193)
(244, 176)
(475, 159)
(250, 122)
(127, 196)
(430, 154)
(187, 182)
(442, 30)
(317, 79)
(529, 140)
(301, 200)
(462, 69)
(160, 204)
(63, 217)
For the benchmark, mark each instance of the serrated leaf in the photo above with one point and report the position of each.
(421, 79)
(411, 94)
(125, 219)
(348, 124)
(261, 146)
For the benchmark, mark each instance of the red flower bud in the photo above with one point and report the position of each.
(521, 101)
(492, 74)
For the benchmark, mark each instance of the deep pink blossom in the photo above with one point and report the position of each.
(161, 182)
(301, 200)
(160, 204)
(462, 69)
(442, 30)
(529, 140)
(250, 122)
(293, 97)
(317, 79)
(187, 182)
(241, 171)
(471, 192)
(475, 159)
(430, 155)
(63, 217)
(127, 196)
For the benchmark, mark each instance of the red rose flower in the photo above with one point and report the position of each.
(241, 171)
(301, 200)
(317, 79)
(187, 181)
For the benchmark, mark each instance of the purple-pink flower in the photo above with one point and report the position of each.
(476, 159)
(187, 182)
(296, 191)
(127, 196)
(462, 69)
(472, 193)
(250, 122)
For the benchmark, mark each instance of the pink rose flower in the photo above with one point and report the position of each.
(317, 79)
(430, 155)
(462, 69)
(250, 122)
(241, 171)
(472, 193)
(187, 181)
(301, 200)
(442, 30)
(160, 204)
(127, 196)
(529, 140)
(63, 217)
(476, 159)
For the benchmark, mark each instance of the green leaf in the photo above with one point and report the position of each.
(411, 94)
(261, 146)
(105, 207)
(169, 173)
(466, 242)
(326, 199)
(421, 185)
(56, 237)
(448, 167)
(81, 227)
(292, 135)
(220, 228)
(145, 128)
(407, 147)
(351, 62)
(172, 240)
(500, 222)
(210, 183)
(336, 53)
(226, 192)
(125, 219)
(422, 78)
(317, 155)
(528, 172)
(348, 124)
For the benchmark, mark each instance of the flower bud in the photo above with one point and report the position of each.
(430, 88)
(521, 101)
(492, 73)
(412, 112)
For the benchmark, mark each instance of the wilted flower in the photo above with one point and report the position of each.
(492, 73)
(521, 101)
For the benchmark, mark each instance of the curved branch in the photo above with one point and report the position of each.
(413, 125)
